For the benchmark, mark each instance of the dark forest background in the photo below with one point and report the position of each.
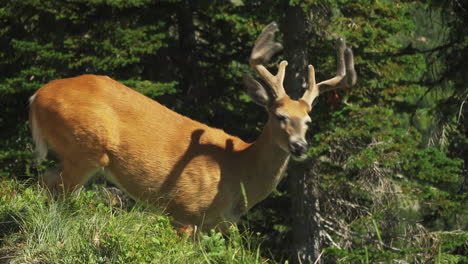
(387, 158)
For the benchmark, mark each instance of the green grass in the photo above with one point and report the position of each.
(93, 226)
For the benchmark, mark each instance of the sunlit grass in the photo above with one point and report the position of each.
(93, 226)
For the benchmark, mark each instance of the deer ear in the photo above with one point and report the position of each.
(256, 91)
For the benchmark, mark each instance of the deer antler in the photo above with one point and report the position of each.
(264, 49)
(345, 74)
(313, 91)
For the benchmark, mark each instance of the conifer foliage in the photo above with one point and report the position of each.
(389, 155)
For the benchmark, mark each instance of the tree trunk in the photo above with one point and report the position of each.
(303, 187)
(188, 61)
(303, 183)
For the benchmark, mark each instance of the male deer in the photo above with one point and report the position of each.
(200, 175)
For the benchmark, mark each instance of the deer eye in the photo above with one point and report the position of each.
(282, 118)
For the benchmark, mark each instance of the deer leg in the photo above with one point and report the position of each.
(74, 174)
(51, 177)
(69, 177)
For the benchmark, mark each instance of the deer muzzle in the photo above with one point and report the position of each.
(298, 149)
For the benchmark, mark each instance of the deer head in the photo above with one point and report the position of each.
(289, 118)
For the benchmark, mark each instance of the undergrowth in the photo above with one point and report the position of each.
(95, 226)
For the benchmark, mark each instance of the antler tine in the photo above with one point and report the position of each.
(264, 49)
(312, 92)
(351, 76)
(345, 73)
(340, 64)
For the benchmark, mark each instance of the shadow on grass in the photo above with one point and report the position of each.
(9, 223)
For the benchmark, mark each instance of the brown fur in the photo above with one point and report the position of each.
(193, 171)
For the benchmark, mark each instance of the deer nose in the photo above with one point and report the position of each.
(298, 147)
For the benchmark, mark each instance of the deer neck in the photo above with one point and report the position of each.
(266, 164)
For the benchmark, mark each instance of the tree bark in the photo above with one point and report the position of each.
(295, 51)
(303, 187)
(302, 181)
(188, 60)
